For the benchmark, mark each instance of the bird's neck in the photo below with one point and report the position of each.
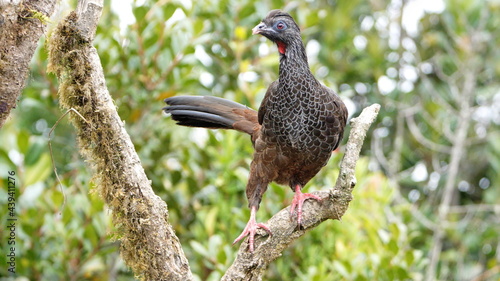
(294, 72)
(293, 61)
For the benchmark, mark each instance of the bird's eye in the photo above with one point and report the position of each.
(281, 25)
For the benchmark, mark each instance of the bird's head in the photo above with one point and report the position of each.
(280, 28)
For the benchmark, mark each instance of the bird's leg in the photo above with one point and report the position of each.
(298, 201)
(251, 229)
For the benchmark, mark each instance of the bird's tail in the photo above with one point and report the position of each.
(211, 112)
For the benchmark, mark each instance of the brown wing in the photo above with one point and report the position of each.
(336, 117)
(262, 109)
(248, 122)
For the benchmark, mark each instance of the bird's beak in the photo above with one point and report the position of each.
(260, 28)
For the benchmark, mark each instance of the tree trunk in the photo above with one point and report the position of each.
(148, 243)
(21, 26)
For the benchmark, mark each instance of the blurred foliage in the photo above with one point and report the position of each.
(360, 48)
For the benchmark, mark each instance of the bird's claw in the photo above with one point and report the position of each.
(298, 202)
(251, 230)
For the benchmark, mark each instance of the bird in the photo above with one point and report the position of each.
(300, 122)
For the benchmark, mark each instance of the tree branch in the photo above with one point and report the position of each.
(148, 242)
(334, 203)
(21, 26)
(468, 86)
(417, 134)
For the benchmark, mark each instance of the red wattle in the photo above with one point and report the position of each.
(281, 47)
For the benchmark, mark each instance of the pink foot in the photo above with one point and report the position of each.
(298, 201)
(251, 230)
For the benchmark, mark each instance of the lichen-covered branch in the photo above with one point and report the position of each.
(334, 203)
(148, 243)
(22, 23)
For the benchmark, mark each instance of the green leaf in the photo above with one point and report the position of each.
(199, 248)
(23, 141)
(140, 13)
(210, 219)
(168, 10)
(34, 153)
(39, 171)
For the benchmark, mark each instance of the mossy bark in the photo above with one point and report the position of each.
(22, 23)
(148, 242)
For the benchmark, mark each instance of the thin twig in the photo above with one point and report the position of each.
(414, 210)
(475, 208)
(52, 154)
(487, 274)
(415, 131)
(377, 147)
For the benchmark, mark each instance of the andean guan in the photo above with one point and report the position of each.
(298, 125)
